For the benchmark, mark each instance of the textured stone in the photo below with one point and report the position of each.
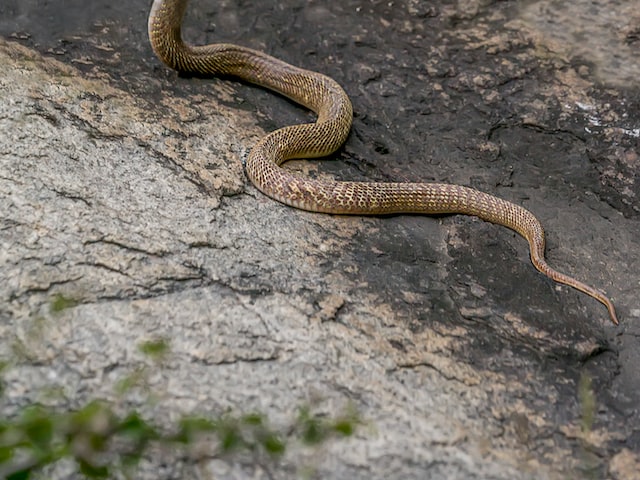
(121, 188)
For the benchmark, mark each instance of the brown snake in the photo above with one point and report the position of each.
(331, 104)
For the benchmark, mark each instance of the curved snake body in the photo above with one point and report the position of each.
(329, 101)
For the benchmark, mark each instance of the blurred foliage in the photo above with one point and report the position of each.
(156, 349)
(98, 439)
(59, 303)
(587, 400)
(102, 442)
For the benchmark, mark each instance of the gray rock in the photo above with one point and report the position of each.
(126, 195)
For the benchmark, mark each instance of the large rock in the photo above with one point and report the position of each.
(122, 190)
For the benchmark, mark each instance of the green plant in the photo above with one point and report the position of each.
(102, 441)
(97, 438)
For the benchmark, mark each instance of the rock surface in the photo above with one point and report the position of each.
(121, 187)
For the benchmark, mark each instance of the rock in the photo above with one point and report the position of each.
(123, 203)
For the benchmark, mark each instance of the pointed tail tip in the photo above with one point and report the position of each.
(612, 312)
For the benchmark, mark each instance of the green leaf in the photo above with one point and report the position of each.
(313, 431)
(93, 471)
(273, 444)
(230, 435)
(93, 424)
(135, 428)
(155, 348)
(90, 416)
(344, 427)
(38, 427)
(254, 419)
(21, 475)
(59, 303)
(190, 427)
(6, 454)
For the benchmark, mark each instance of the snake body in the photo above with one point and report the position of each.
(328, 100)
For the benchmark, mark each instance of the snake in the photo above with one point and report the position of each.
(334, 113)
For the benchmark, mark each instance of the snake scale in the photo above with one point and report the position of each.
(332, 106)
